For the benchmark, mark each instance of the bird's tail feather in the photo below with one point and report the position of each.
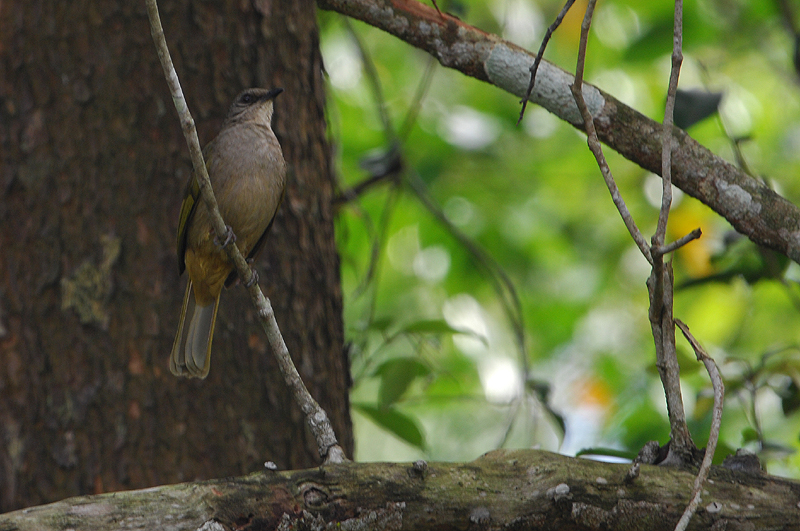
(191, 351)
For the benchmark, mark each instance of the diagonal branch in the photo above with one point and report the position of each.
(594, 144)
(751, 207)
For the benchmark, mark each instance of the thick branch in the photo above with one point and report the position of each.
(519, 489)
(752, 208)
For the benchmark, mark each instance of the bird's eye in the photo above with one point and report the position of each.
(247, 99)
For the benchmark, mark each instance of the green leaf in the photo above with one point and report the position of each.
(749, 435)
(380, 324)
(396, 375)
(395, 422)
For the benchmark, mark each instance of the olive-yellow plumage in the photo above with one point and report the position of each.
(248, 174)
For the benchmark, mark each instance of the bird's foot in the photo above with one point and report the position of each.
(253, 277)
(230, 237)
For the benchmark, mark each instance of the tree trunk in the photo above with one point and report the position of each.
(92, 171)
(504, 489)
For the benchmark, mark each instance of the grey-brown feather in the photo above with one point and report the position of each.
(247, 171)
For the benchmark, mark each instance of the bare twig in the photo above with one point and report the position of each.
(499, 278)
(594, 143)
(375, 81)
(660, 283)
(419, 95)
(535, 66)
(677, 244)
(716, 421)
(502, 283)
(316, 417)
(666, 130)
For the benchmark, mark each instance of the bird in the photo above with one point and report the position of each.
(248, 176)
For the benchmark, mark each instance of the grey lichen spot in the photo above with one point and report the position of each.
(559, 492)
(399, 25)
(388, 519)
(793, 237)
(714, 507)
(92, 509)
(211, 525)
(739, 201)
(589, 515)
(602, 481)
(480, 516)
(418, 469)
(509, 69)
(89, 288)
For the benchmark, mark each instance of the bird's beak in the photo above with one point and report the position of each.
(273, 93)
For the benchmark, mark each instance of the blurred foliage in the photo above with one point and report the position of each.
(462, 234)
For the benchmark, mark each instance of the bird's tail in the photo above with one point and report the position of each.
(191, 351)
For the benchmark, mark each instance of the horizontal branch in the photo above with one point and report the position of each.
(504, 489)
(752, 208)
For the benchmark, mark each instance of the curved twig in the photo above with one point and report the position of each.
(716, 421)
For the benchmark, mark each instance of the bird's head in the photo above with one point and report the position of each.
(253, 104)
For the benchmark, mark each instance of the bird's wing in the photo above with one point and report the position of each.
(190, 198)
(259, 244)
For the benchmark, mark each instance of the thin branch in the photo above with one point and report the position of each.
(594, 143)
(500, 280)
(502, 284)
(419, 95)
(377, 244)
(661, 282)
(535, 66)
(360, 188)
(666, 130)
(677, 244)
(375, 81)
(316, 417)
(716, 421)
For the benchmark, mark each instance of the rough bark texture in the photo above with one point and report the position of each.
(752, 208)
(92, 171)
(517, 490)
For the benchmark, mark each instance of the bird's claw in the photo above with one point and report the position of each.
(253, 278)
(230, 237)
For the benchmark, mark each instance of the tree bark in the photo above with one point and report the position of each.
(520, 490)
(753, 208)
(92, 171)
